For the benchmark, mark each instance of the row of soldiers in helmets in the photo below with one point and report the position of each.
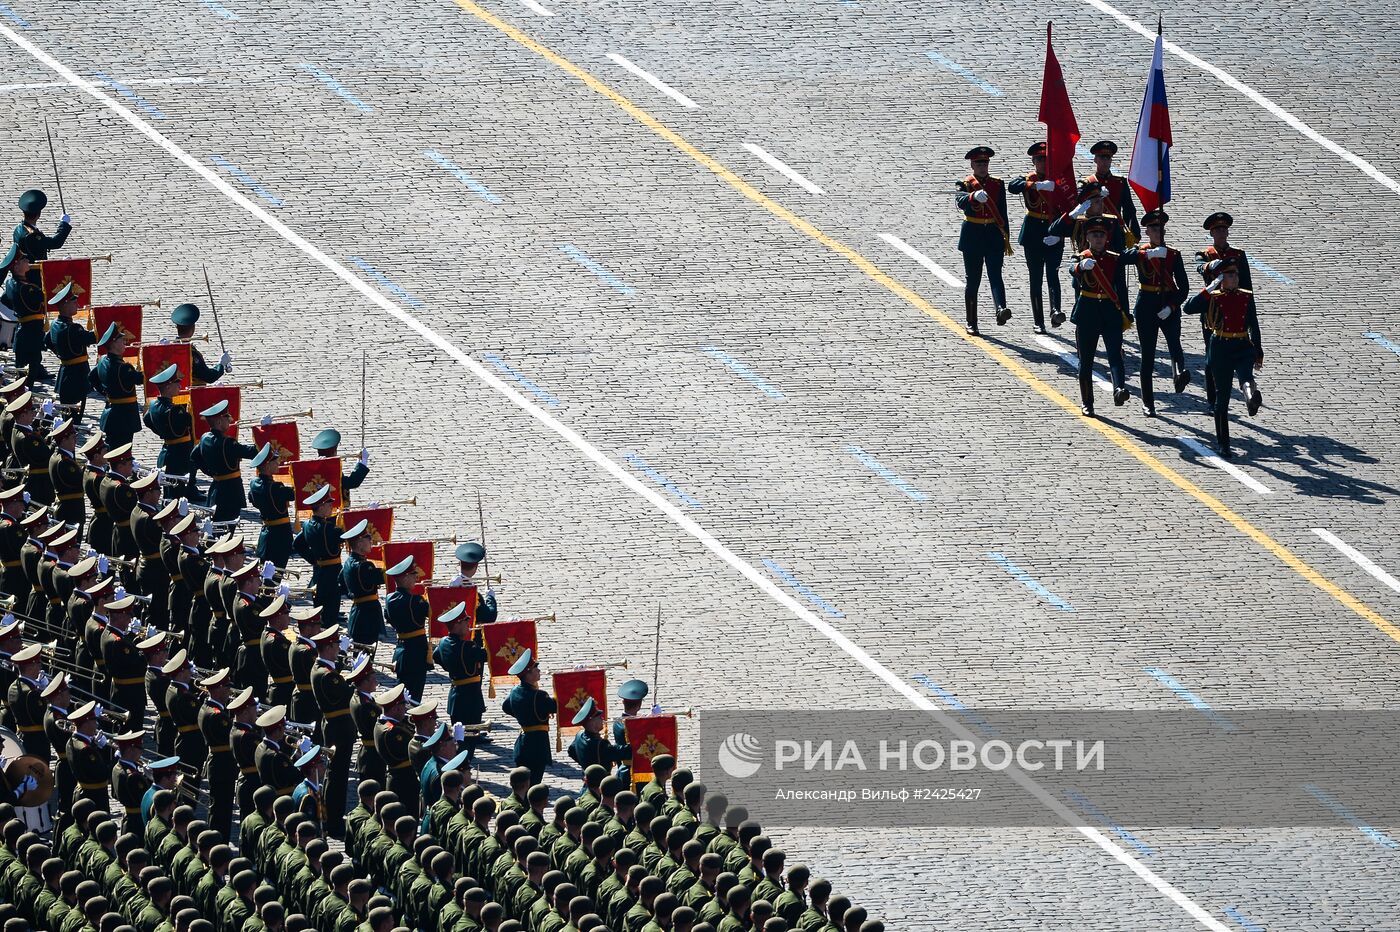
(1106, 236)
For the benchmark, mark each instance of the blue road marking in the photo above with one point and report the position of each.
(477, 188)
(1094, 812)
(744, 372)
(149, 108)
(248, 180)
(1190, 698)
(524, 381)
(803, 590)
(641, 466)
(1029, 581)
(387, 283)
(1346, 815)
(1241, 920)
(1081, 153)
(884, 472)
(944, 61)
(14, 17)
(603, 275)
(222, 10)
(340, 90)
(1381, 340)
(1275, 274)
(969, 716)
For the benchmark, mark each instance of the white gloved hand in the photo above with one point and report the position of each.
(164, 341)
(1045, 185)
(979, 196)
(266, 421)
(268, 569)
(364, 456)
(1212, 265)
(118, 592)
(1081, 210)
(1157, 252)
(345, 642)
(373, 504)
(284, 590)
(1103, 191)
(66, 218)
(101, 740)
(208, 526)
(97, 711)
(1051, 240)
(1215, 285)
(103, 565)
(43, 680)
(459, 731)
(656, 710)
(304, 744)
(1087, 264)
(1164, 313)
(47, 408)
(160, 476)
(490, 593)
(225, 359)
(27, 499)
(183, 508)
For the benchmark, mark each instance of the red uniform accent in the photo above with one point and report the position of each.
(1116, 185)
(1232, 308)
(1158, 272)
(1038, 202)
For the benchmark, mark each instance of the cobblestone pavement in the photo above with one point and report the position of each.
(934, 504)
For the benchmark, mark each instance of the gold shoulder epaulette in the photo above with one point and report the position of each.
(1245, 290)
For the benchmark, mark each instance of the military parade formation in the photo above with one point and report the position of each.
(197, 734)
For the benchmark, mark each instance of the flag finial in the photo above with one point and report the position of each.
(1159, 24)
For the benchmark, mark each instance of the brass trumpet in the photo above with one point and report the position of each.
(118, 561)
(300, 729)
(404, 501)
(606, 666)
(552, 616)
(201, 338)
(255, 422)
(257, 384)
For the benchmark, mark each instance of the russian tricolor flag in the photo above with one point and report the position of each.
(1150, 171)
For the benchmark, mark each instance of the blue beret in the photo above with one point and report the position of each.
(471, 552)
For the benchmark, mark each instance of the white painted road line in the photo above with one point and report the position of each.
(134, 82)
(1357, 557)
(947, 277)
(1236, 84)
(536, 8)
(783, 169)
(1071, 359)
(606, 464)
(654, 81)
(1210, 457)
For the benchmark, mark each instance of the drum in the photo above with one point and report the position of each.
(9, 323)
(21, 765)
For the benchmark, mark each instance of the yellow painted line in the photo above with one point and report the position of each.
(1007, 361)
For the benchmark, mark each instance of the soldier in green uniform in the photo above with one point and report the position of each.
(25, 701)
(117, 380)
(221, 771)
(182, 702)
(361, 579)
(326, 443)
(275, 647)
(318, 543)
(69, 341)
(149, 523)
(1236, 347)
(791, 903)
(244, 738)
(448, 802)
(1043, 252)
(118, 498)
(25, 296)
(58, 729)
(246, 631)
(309, 794)
(171, 422)
(156, 650)
(1100, 312)
(36, 244)
(365, 713)
(302, 654)
(985, 239)
(66, 474)
(531, 707)
(125, 662)
(469, 559)
(218, 456)
(333, 694)
(391, 739)
(590, 746)
(30, 450)
(184, 317)
(463, 658)
(1162, 286)
(407, 612)
(276, 768)
(632, 692)
(88, 756)
(272, 499)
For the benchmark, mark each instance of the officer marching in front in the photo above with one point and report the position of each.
(1162, 286)
(1208, 263)
(985, 239)
(469, 559)
(184, 317)
(531, 707)
(1236, 349)
(36, 244)
(1043, 252)
(1100, 312)
(25, 296)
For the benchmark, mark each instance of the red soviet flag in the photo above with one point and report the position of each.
(1061, 130)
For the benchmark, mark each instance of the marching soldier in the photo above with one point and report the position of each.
(631, 693)
(130, 781)
(407, 612)
(361, 580)
(302, 656)
(1100, 312)
(1075, 224)
(531, 707)
(185, 562)
(1120, 194)
(25, 296)
(423, 719)
(166, 775)
(1162, 286)
(66, 474)
(218, 456)
(69, 341)
(184, 317)
(12, 538)
(30, 448)
(117, 380)
(221, 770)
(365, 711)
(469, 558)
(441, 747)
(125, 663)
(463, 658)
(590, 746)
(391, 739)
(149, 523)
(171, 422)
(333, 694)
(58, 729)
(36, 244)
(243, 739)
(1235, 350)
(194, 571)
(275, 653)
(318, 543)
(156, 650)
(272, 499)
(1043, 252)
(1208, 263)
(247, 631)
(93, 629)
(183, 704)
(274, 756)
(94, 471)
(327, 444)
(26, 703)
(118, 498)
(88, 756)
(985, 239)
(308, 795)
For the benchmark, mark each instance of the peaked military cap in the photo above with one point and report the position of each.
(633, 689)
(326, 634)
(165, 375)
(358, 667)
(1098, 223)
(310, 756)
(470, 552)
(389, 696)
(438, 734)
(423, 709)
(274, 608)
(318, 496)
(1154, 217)
(33, 201)
(183, 525)
(62, 427)
(1091, 189)
(262, 456)
(585, 711)
(65, 539)
(82, 567)
(62, 294)
(217, 678)
(117, 453)
(523, 663)
(327, 439)
(1218, 219)
(26, 654)
(109, 334)
(91, 444)
(458, 762)
(214, 410)
(453, 613)
(124, 604)
(240, 700)
(273, 716)
(1037, 148)
(979, 152)
(82, 711)
(58, 682)
(185, 315)
(1104, 147)
(20, 403)
(357, 530)
(142, 483)
(127, 737)
(168, 509)
(165, 763)
(175, 663)
(401, 567)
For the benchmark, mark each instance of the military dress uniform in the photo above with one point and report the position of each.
(1207, 261)
(244, 739)
(318, 543)
(407, 612)
(531, 707)
(35, 242)
(248, 666)
(1120, 196)
(365, 713)
(219, 457)
(985, 238)
(31, 451)
(221, 771)
(276, 658)
(199, 617)
(361, 581)
(118, 498)
(1235, 347)
(12, 538)
(69, 341)
(58, 730)
(157, 688)
(1100, 313)
(272, 499)
(101, 527)
(1042, 259)
(25, 297)
(93, 630)
(302, 659)
(1162, 287)
(183, 705)
(463, 661)
(92, 767)
(1076, 230)
(172, 423)
(275, 767)
(118, 381)
(129, 785)
(201, 373)
(391, 740)
(588, 748)
(126, 674)
(27, 707)
(66, 477)
(152, 579)
(333, 695)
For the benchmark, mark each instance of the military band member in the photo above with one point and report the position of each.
(240, 587)
(1100, 312)
(1120, 194)
(88, 756)
(302, 654)
(463, 658)
(276, 647)
(1043, 252)
(36, 244)
(25, 296)
(365, 712)
(631, 693)
(117, 380)
(207, 637)
(272, 499)
(184, 317)
(407, 612)
(94, 471)
(30, 449)
(171, 422)
(1162, 287)
(1236, 348)
(318, 543)
(591, 746)
(58, 729)
(361, 579)
(531, 707)
(326, 443)
(182, 701)
(69, 341)
(247, 631)
(94, 628)
(1075, 224)
(66, 474)
(985, 239)
(150, 522)
(333, 694)
(130, 781)
(124, 661)
(221, 771)
(243, 739)
(194, 572)
(219, 457)
(166, 775)
(275, 764)
(182, 557)
(26, 702)
(155, 650)
(309, 794)
(12, 538)
(469, 559)
(392, 735)
(118, 499)
(440, 747)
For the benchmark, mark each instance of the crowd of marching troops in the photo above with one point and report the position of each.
(200, 727)
(1105, 234)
